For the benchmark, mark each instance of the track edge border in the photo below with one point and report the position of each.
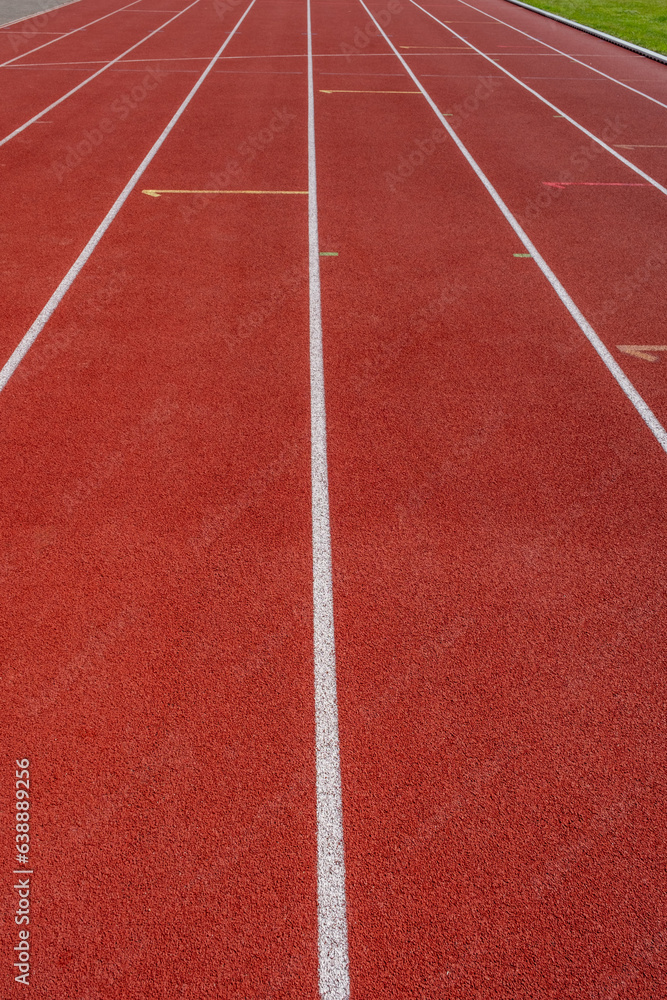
(649, 53)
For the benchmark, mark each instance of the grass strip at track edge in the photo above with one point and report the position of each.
(651, 42)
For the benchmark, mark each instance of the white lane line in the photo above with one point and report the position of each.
(612, 365)
(535, 93)
(136, 69)
(67, 35)
(99, 62)
(334, 976)
(88, 79)
(45, 67)
(40, 13)
(277, 55)
(31, 336)
(168, 59)
(567, 55)
(369, 92)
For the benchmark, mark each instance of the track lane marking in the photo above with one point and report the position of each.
(642, 350)
(89, 79)
(603, 352)
(100, 62)
(370, 91)
(156, 193)
(149, 59)
(621, 184)
(66, 34)
(288, 55)
(333, 960)
(656, 184)
(30, 337)
(567, 55)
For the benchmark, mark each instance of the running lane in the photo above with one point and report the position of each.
(497, 511)
(28, 33)
(591, 98)
(558, 182)
(638, 71)
(33, 84)
(156, 517)
(63, 174)
(566, 81)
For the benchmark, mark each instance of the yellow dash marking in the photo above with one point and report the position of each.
(641, 350)
(370, 91)
(156, 194)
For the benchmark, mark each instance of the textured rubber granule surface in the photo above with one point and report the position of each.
(497, 507)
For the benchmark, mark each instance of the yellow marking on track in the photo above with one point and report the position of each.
(370, 91)
(429, 47)
(642, 350)
(156, 194)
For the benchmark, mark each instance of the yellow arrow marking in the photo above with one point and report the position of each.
(370, 91)
(156, 194)
(641, 350)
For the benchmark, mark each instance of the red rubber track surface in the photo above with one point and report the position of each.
(162, 672)
(496, 515)
(497, 510)
(32, 88)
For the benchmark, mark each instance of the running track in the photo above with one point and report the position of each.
(486, 228)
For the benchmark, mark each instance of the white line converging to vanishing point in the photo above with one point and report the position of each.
(334, 976)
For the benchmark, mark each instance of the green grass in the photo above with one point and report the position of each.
(643, 22)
